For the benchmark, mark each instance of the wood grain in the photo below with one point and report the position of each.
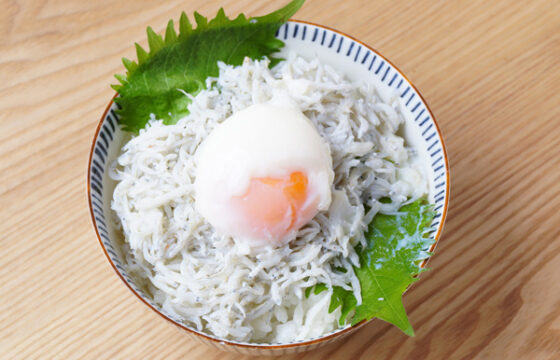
(490, 71)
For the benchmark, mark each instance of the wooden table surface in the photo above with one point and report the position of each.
(490, 71)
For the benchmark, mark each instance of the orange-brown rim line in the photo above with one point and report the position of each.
(269, 346)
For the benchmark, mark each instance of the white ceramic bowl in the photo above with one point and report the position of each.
(350, 57)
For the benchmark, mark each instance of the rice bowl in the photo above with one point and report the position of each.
(307, 327)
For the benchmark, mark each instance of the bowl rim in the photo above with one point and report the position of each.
(301, 343)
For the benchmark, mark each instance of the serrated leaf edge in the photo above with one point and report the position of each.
(156, 42)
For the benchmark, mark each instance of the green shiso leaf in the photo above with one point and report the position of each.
(317, 289)
(308, 291)
(345, 299)
(388, 265)
(181, 62)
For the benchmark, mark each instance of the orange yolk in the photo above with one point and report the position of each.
(273, 207)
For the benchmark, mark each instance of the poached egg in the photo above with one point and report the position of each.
(262, 174)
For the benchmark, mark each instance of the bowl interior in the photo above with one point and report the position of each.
(348, 56)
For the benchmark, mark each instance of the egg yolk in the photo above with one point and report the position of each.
(275, 206)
